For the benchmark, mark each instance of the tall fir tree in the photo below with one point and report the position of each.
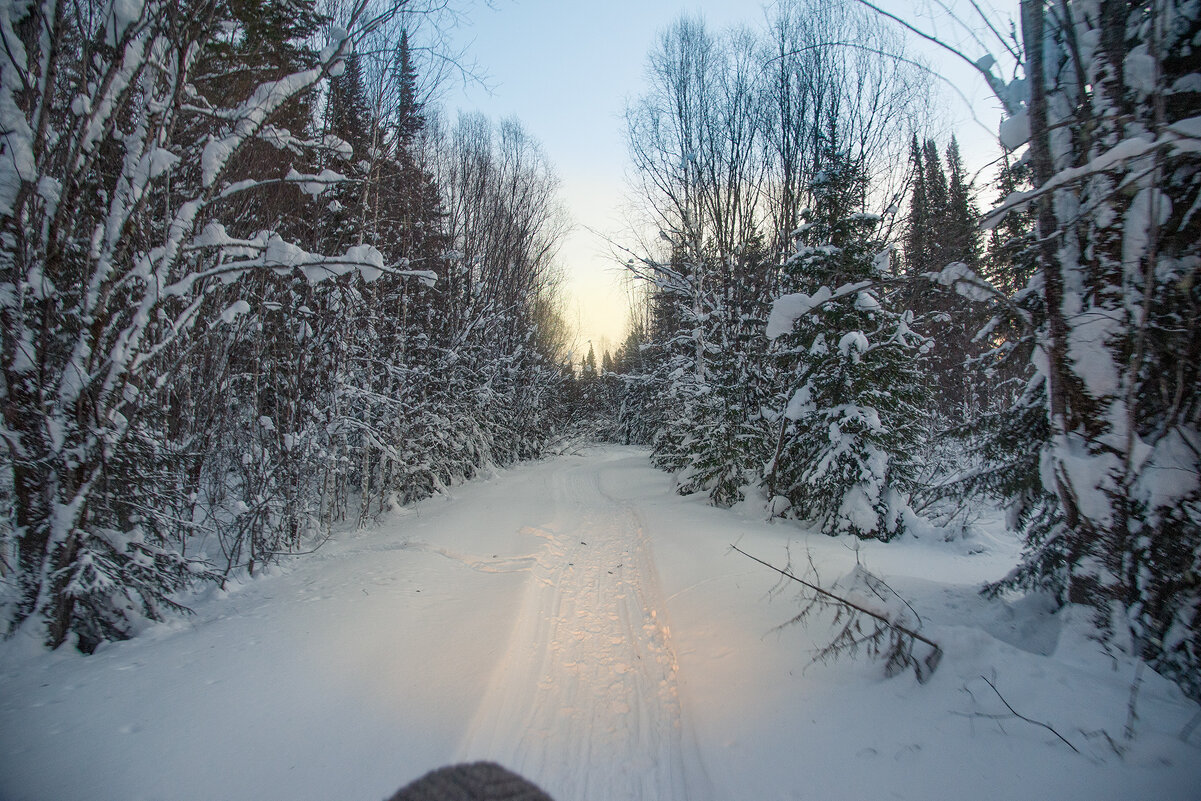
(961, 222)
(410, 118)
(920, 222)
(938, 200)
(728, 436)
(851, 424)
(942, 228)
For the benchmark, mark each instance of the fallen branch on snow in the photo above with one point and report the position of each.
(888, 637)
(1013, 713)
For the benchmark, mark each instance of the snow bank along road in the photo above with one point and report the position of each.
(577, 622)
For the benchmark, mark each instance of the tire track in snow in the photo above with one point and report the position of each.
(585, 699)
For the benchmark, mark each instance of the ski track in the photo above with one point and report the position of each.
(585, 699)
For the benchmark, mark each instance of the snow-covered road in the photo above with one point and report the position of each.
(576, 621)
(586, 693)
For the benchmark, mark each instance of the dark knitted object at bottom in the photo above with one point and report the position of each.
(480, 781)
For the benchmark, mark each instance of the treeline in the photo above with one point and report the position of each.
(250, 289)
(769, 159)
(829, 326)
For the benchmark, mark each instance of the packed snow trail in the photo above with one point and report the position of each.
(585, 696)
(517, 619)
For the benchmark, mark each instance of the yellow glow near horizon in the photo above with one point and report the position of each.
(595, 299)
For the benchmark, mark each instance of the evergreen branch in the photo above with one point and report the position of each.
(1114, 158)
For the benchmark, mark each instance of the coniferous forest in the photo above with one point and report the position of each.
(254, 287)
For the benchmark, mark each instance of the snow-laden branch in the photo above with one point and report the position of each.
(787, 309)
(1178, 138)
(270, 251)
(252, 114)
(968, 283)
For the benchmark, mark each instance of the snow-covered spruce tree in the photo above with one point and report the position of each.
(941, 228)
(717, 449)
(1111, 111)
(728, 435)
(678, 362)
(638, 401)
(704, 370)
(851, 421)
(116, 167)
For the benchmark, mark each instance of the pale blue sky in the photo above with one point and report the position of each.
(566, 68)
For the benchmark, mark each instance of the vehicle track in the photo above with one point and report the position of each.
(585, 699)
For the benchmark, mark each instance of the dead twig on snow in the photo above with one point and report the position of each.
(899, 648)
(1015, 714)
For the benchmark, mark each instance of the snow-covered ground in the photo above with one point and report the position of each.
(577, 622)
